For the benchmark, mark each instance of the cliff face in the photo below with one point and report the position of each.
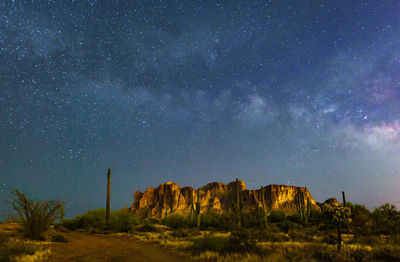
(215, 196)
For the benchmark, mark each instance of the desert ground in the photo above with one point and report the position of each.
(85, 247)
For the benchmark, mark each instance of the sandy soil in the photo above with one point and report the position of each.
(97, 247)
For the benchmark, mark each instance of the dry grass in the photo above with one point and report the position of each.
(39, 255)
(215, 257)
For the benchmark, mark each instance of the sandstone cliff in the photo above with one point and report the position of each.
(215, 196)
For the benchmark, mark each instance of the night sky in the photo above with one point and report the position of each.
(302, 93)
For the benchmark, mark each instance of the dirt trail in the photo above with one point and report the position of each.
(92, 248)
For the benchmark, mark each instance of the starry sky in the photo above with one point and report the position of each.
(296, 92)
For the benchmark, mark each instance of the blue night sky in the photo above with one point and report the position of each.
(301, 93)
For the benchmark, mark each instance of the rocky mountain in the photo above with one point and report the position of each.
(215, 196)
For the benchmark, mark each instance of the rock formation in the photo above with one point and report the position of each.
(215, 196)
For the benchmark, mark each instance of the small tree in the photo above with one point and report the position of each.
(35, 216)
(341, 216)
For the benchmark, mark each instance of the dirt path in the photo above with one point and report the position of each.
(90, 248)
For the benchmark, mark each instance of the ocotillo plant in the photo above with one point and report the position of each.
(264, 208)
(197, 209)
(108, 196)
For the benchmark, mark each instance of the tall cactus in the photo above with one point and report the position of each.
(305, 211)
(108, 197)
(191, 214)
(197, 209)
(344, 198)
(264, 207)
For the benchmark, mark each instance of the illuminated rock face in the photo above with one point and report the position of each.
(215, 196)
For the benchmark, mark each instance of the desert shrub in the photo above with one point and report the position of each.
(146, 228)
(386, 219)
(94, 220)
(58, 238)
(35, 216)
(176, 221)
(91, 219)
(269, 236)
(70, 224)
(300, 236)
(208, 243)
(9, 250)
(286, 226)
(277, 216)
(123, 221)
(60, 228)
(254, 218)
(241, 241)
(180, 233)
(386, 253)
(213, 219)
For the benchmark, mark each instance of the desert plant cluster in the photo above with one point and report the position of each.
(345, 232)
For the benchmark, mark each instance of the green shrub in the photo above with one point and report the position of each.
(242, 241)
(95, 220)
(9, 250)
(35, 216)
(208, 243)
(146, 228)
(213, 219)
(123, 221)
(92, 219)
(277, 216)
(176, 221)
(180, 233)
(59, 238)
(286, 226)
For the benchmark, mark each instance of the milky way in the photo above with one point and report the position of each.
(288, 92)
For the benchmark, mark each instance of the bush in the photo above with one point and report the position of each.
(241, 241)
(176, 221)
(146, 228)
(9, 250)
(277, 216)
(208, 243)
(90, 220)
(35, 216)
(59, 238)
(123, 221)
(286, 226)
(213, 219)
(180, 233)
(94, 220)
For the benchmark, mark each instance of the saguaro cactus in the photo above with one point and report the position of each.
(344, 198)
(197, 209)
(239, 203)
(264, 207)
(305, 211)
(108, 196)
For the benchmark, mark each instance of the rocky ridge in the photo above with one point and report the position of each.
(216, 196)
